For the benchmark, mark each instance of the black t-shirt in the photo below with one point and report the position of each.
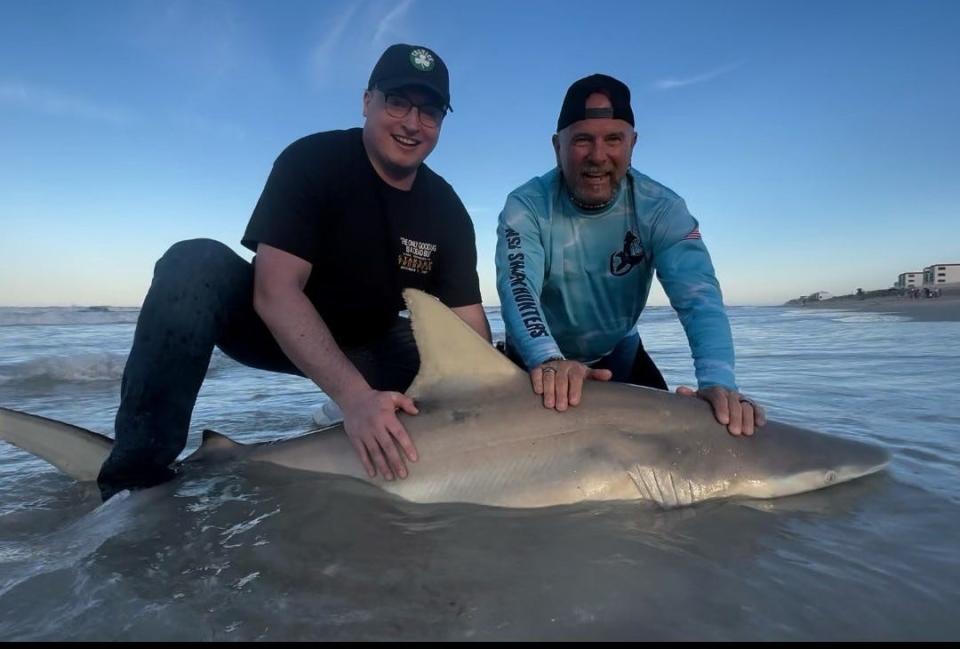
(366, 240)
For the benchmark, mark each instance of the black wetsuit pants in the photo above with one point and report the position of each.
(201, 297)
(628, 362)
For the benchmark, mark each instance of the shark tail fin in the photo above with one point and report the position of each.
(75, 451)
(455, 361)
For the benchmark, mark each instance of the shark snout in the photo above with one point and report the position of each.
(867, 459)
(845, 460)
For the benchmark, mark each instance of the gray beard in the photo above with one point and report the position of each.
(589, 207)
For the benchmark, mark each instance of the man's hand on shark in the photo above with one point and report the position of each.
(371, 423)
(561, 382)
(739, 414)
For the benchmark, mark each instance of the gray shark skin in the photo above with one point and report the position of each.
(484, 437)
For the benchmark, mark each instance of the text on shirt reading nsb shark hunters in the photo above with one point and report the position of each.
(524, 300)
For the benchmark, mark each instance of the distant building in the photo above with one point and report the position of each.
(941, 274)
(912, 279)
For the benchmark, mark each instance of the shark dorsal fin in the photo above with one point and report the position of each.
(455, 361)
(213, 444)
(214, 441)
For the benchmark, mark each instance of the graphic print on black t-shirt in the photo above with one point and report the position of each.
(416, 256)
(365, 240)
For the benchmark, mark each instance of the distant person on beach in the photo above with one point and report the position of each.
(576, 252)
(347, 219)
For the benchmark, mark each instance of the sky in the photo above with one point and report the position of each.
(817, 142)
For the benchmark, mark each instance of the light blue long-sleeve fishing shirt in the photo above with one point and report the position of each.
(573, 283)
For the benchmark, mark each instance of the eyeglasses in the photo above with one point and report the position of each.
(430, 115)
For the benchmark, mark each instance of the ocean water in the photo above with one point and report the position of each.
(256, 552)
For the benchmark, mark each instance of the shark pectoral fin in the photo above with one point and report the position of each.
(455, 361)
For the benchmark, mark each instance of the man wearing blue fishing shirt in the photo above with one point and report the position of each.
(576, 252)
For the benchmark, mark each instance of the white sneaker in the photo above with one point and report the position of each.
(329, 413)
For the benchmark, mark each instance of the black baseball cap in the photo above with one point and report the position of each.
(575, 103)
(411, 65)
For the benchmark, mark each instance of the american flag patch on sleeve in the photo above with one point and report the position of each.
(694, 234)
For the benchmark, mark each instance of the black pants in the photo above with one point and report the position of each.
(628, 362)
(201, 297)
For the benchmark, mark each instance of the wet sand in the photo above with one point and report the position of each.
(939, 309)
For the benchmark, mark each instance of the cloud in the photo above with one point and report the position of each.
(390, 24)
(356, 36)
(205, 39)
(53, 102)
(670, 84)
(325, 54)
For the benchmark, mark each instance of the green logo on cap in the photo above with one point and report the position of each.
(421, 59)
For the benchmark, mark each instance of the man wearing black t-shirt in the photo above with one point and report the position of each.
(347, 219)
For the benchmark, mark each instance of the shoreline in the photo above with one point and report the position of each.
(938, 309)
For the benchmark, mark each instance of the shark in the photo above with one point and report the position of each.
(484, 437)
